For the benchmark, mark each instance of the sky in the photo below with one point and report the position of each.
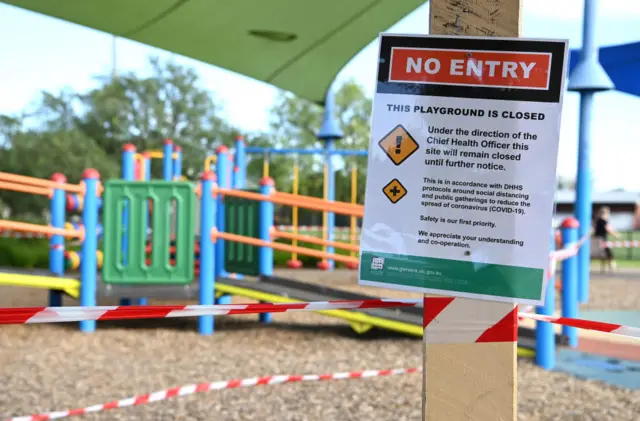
(40, 53)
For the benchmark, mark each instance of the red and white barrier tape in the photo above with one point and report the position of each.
(614, 328)
(621, 244)
(206, 387)
(32, 315)
(570, 251)
(29, 315)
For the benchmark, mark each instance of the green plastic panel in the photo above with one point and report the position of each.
(173, 209)
(242, 217)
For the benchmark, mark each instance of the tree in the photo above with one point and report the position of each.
(295, 123)
(54, 144)
(170, 103)
(71, 131)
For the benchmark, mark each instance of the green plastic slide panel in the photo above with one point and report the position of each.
(242, 217)
(165, 206)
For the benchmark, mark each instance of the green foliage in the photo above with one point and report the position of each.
(294, 124)
(24, 253)
(70, 131)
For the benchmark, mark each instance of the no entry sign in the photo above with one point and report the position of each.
(462, 166)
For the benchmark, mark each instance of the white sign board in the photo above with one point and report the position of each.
(462, 166)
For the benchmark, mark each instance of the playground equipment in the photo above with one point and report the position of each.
(236, 234)
(328, 229)
(56, 189)
(294, 262)
(151, 247)
(72, 259)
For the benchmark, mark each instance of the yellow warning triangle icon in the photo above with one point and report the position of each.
(398, 144)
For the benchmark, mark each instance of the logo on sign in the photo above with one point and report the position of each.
(498, 69)
(377, 263)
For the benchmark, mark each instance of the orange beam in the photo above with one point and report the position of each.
(314, 240)
(300, 201)
(43, 229)
(319, 200)
(283, 247)
(40, 182)
(43, 191)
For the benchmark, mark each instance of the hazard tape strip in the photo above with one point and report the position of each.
(613, 328)
(435, 306)
(206, 387)
(569, 251)
(621, 244)
(459, 320)
(28, 315)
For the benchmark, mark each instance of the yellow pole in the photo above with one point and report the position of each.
(265, 165)
(354, 200)
(209, 161)
(294, 216)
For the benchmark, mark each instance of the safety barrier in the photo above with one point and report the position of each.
(50, 315)
(219, 385)
(57, 190)
(327, 231)
(39, 315)
(236, 235)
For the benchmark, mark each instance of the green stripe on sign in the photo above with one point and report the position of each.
(452, 275)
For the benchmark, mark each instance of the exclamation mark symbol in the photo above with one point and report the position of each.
(398, 145)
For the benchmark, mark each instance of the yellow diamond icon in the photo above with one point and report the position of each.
(394, 190)
(398, 144)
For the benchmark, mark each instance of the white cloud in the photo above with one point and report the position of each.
(573, 9)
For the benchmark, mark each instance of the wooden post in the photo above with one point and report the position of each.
(473, 381)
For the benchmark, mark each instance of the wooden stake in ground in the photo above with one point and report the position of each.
(472, 381)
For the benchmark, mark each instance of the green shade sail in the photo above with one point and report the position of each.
(296, 45)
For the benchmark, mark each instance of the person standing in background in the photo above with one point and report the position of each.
(600, 230)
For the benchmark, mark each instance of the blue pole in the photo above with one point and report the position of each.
(207, 265)
(330, 132)
(88, 263)
(56, 244)
(147, 166)
(331, 195)
(128, 173)
(240, 164)
(265, 254)
(584, 193)
(545, 334)
(222, 170)
(587, 78)
(570, 279)
(167, 160)
(177, 163)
